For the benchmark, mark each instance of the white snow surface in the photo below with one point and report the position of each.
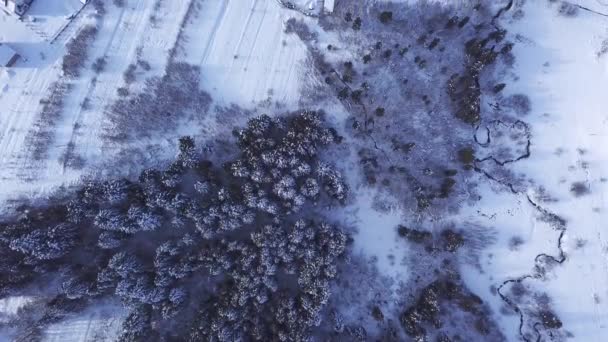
(570, 135)
(10, 305)
(96, 324)
(244, 53)
(377, 235)
(560, 67)
(246, 58)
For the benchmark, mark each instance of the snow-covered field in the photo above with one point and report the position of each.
(101, 323)
(247, 59)
(29, 82)
(560, 66)
(563, 70)
(244, 55)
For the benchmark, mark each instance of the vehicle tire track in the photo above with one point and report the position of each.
(244, 31)
(216, 26)
(256, 36)
(21, 124)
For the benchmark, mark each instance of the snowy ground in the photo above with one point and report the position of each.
(101, 323)
(560, 67)
(562, 70)
(9, 306)
(244, 54)
(246, 59)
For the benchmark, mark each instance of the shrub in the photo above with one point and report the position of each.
(385, 17)
(100, 64)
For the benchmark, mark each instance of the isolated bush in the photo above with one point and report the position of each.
(99, 6)
(414, 235)
(550, 320)
(144, 64)
(499, 87)
(451, 240)
(579, 189)
(122, 92)
(385, 17)
(129, 75)
(357, 24)
(466, 156)
(100, 64)
(568, 9)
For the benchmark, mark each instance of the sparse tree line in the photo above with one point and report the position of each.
(228, 252)
(77, 51)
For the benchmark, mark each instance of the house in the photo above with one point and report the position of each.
(8, 56)
(18, 7)
(328, 6)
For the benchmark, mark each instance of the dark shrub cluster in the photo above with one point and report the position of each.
(77, 51)
(41, 136)
(163, 102)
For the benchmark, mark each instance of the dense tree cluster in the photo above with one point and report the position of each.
(231, 252)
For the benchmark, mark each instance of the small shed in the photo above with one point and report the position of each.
(8, 56)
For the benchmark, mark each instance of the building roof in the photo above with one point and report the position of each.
(6, 55)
